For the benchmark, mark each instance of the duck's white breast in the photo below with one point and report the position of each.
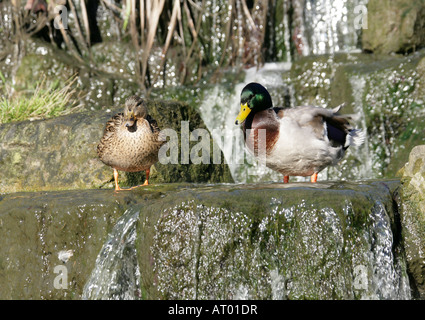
(299, 152)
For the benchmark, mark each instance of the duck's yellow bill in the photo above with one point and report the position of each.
(245, 110)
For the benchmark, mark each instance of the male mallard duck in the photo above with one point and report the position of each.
(130, 141)
(299, 141)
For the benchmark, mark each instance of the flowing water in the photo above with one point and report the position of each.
(116, 274)
(358, 85)
(333, 26)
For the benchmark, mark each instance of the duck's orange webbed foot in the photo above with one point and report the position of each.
(285, 179)
(313, 178)
(117, 187)
(121, 189)
(146, 183)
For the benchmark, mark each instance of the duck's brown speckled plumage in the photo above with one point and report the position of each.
(130, 140)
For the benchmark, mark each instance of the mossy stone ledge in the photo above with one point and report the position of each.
(331, 240)
(413, 214)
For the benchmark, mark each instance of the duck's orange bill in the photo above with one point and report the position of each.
(245, 110)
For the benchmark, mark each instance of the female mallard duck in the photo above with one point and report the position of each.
(130, 141)
(299, 141)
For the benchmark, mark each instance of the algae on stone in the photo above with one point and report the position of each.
(36, 227)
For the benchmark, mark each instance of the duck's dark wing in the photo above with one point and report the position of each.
(279, 112)
(338, 128)
(153, 124)
(323, 122)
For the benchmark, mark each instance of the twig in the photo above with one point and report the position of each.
(153, 11)
(85, 20)
(80, 33)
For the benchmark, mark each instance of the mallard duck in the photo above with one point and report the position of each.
(130, 141)
(298, 141)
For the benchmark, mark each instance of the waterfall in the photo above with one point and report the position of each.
(116, 273)
(389, 280)
(365, 169)
(332, 26)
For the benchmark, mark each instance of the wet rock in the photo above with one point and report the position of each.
(180, 241)
(61, 153)
(37, 227)
(394, 26)
(276, 242)
(413, 214)
(111, 58)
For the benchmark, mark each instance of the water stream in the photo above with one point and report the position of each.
(364, 171)
(116, 274)
(333, 26)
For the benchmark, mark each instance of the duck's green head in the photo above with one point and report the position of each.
(254, 98)
(135, 108)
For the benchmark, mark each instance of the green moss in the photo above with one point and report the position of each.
(292, 233)
(417, 166)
